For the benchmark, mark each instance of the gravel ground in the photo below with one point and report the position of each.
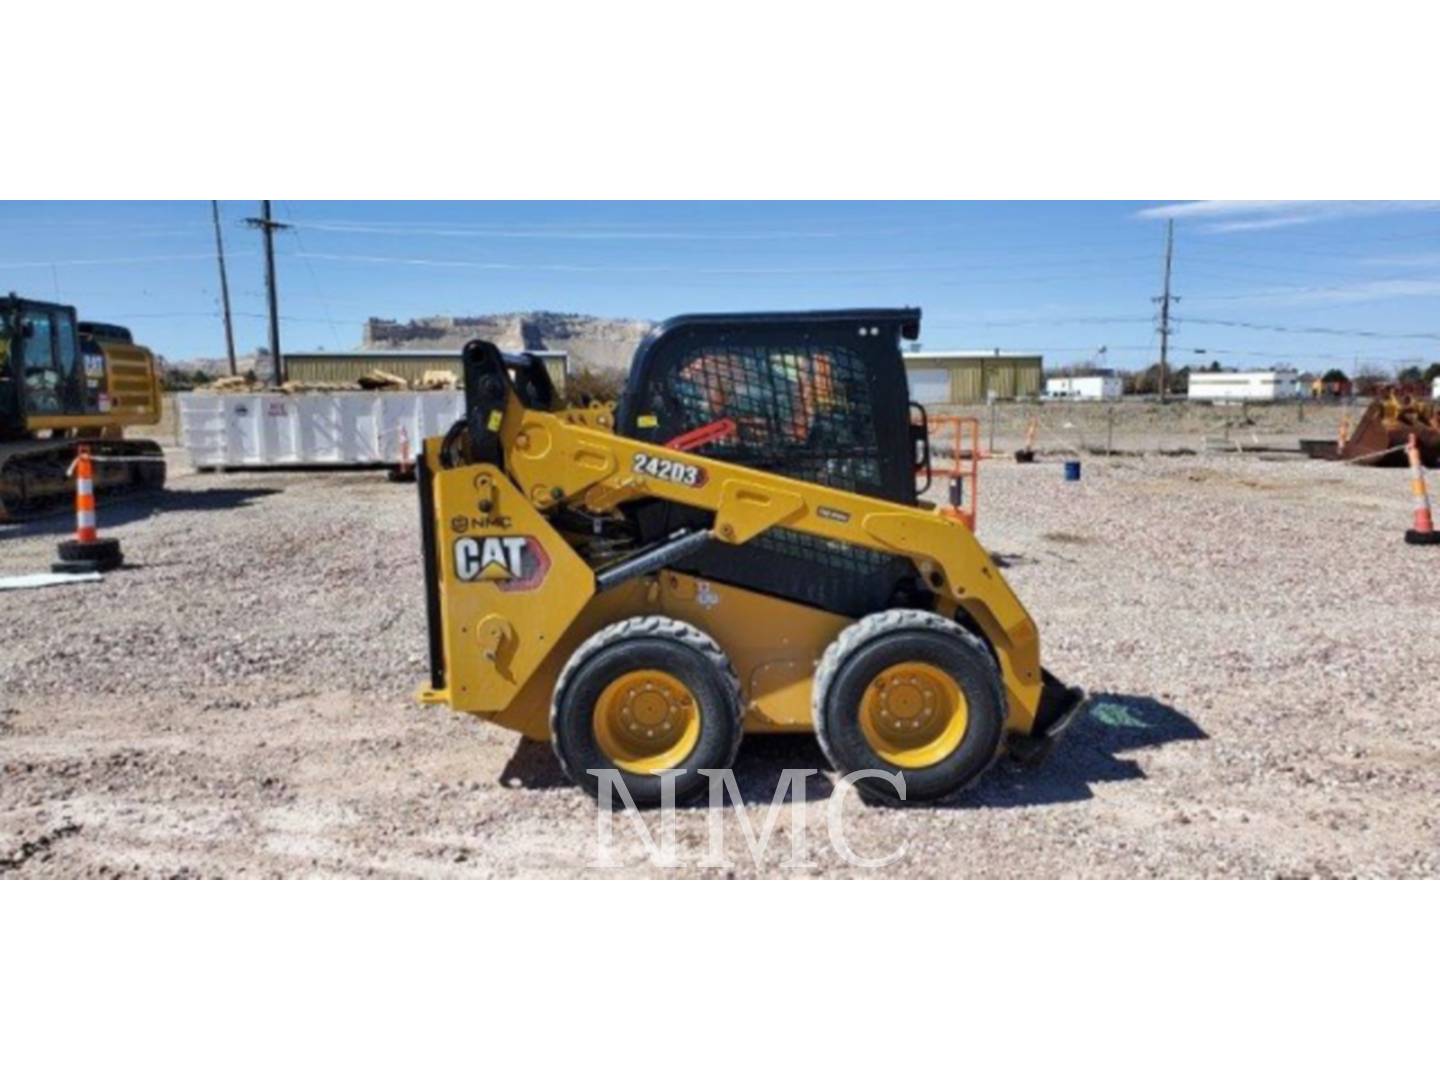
(238, 702)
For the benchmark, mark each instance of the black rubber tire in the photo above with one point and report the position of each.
(104, 554)
(868, 647)
(647, 641)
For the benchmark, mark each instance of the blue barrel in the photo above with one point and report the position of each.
(1072, 470)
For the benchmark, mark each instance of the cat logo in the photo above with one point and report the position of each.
(512, 562)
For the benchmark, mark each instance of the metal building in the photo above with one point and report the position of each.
(409, 364)
(968, 378)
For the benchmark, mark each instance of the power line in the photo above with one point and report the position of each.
(314, 280)
(211, 315)
(1101, 320)
(108, 261)
(1242, 325)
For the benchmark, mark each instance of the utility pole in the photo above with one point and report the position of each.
(224, 286)
(266, 224)
(1165, 309)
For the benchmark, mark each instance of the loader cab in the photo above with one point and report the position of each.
(42, 368)
(817, 395)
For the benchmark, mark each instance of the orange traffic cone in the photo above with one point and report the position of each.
(1027, 455)
(87, 552)
(1424, 530)
(404, 471)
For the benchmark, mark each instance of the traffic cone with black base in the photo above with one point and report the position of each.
(1424, 530)
(1027, 455)
(87, 552)
(404, 471)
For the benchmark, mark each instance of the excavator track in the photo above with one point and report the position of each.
(35, 480)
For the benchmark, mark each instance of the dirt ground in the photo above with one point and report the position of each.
(238, 701)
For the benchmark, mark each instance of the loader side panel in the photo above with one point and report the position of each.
(509, 588)
(775, 670)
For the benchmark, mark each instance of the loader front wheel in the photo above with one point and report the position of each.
(913, 693)
(644, 697)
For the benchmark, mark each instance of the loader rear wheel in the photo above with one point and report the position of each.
(645, 696)
(909, 692)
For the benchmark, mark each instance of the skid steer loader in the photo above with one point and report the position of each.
(740, 549)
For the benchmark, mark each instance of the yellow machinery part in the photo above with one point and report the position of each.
(511, 587)
(554, 461)
(132, 387)
(506, 642)
(775, 667)
(775, 670)
(914, 715)
(646, 721)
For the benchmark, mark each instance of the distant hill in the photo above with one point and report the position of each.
(595, 343)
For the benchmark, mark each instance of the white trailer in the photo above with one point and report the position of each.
(1242, 386)
(1099, 387)
(344, 427)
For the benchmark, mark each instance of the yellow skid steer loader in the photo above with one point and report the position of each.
(741, 549)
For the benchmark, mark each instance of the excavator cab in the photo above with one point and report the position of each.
(41, 369)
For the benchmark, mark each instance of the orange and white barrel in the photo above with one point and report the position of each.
(1424, 519)
(85, 530)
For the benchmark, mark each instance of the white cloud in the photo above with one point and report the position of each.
(1243, 215)
(1253, 224)
(1352, 293)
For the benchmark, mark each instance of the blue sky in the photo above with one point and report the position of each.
(1306, 284)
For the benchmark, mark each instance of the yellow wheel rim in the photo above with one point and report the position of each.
(913, 715)
(646, 721)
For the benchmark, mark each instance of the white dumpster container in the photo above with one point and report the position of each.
(346, 427)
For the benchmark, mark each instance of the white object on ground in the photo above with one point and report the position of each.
(37, 581)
